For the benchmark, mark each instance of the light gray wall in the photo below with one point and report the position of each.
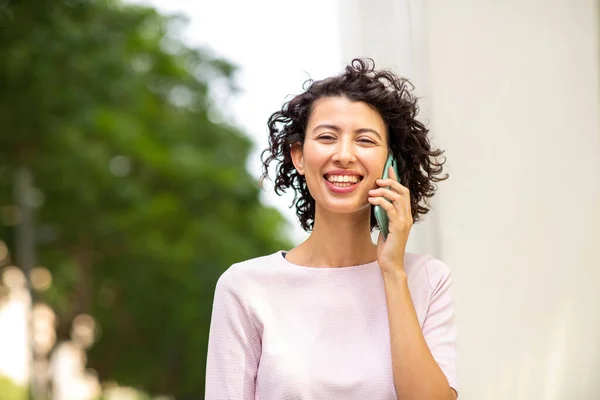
(511, 88)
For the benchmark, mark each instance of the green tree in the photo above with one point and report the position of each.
(143, 199)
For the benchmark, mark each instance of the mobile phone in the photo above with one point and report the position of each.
(380, 214)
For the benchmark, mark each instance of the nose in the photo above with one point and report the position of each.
(344, 153)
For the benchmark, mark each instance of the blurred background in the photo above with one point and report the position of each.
(129, 163)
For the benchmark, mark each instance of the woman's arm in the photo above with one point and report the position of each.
(421, 360)
(417, 374)
(234, 345)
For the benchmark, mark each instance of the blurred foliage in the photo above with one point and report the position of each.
(142, 199)
(11, 391)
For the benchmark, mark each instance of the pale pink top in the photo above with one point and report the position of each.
(281, 331)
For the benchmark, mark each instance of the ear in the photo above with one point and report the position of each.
(297, 155)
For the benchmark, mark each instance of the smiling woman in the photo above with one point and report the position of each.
(341, 140)
(391, 109)
(337, 316)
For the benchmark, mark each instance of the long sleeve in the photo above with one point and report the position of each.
(234, 345)
(439, 327)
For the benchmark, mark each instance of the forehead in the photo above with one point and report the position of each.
(345, 113)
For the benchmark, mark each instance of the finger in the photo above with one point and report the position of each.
(386, 205)
(386, 193)
(397, 221)
(394, 185)
(400, 202)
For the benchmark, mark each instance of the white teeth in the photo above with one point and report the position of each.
(343, 178)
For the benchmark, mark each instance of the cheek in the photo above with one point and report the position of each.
(377, 169)
(373, 162)
(314, 159)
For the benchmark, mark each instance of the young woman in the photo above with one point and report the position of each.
(338, 317)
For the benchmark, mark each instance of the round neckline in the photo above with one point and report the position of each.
(282, 254)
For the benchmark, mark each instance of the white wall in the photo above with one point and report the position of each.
(392, 33)
(512, 92)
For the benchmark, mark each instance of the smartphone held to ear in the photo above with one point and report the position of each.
(380, 214)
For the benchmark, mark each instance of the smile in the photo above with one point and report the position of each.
(342, 183)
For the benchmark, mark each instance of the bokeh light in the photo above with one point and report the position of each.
(44, 334)
(35, 198)
(83, 331)
(13, 277)
(41, 278)
(3, 251)
(120, 166)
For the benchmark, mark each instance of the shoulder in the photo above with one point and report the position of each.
(241, 273)
(427, 268)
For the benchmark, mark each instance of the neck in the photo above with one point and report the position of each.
(339, 240)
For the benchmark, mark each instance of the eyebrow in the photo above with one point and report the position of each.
(337, 129)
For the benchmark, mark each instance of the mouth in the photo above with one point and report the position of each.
(343, 182)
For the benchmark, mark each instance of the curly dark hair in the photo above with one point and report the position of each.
(418, 164)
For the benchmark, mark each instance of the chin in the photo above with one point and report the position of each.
(345, 207)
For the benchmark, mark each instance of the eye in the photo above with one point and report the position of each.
(366, 140)
(326, 137)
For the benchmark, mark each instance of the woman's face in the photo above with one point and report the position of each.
(344, 152)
